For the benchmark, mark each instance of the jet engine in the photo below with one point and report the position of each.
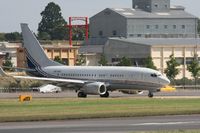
(96, 88)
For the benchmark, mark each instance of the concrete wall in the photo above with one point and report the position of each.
(108, 22)
(183, 54)
(160, 5)
(119, 49)
(152, 5)
(161, 28)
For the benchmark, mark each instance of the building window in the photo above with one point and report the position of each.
(21, 51)
(139, 35)
(114, 32)
(189, 60)
(180, 61)
(100, 33)
(165, 6)
(183, 26)
(148, 26)
(56, 51)
(174, 26)
(131, 35)
(156, 26)
(165, 26)
(156, 5)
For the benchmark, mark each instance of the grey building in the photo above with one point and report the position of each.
(147, 19)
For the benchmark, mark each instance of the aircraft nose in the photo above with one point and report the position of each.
(166, 80)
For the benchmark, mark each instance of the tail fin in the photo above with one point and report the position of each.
(35, 53)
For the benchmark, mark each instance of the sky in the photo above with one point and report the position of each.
(14, 12)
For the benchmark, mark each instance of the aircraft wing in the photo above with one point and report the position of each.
(51, 79)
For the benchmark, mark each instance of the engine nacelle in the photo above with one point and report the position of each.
(96, 88)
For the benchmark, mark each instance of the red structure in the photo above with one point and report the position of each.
(71, 19)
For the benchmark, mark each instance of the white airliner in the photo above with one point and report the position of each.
(93, 80)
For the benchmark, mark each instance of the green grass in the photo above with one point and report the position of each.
(75, 108)
(175, 131)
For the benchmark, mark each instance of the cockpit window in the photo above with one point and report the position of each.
(153, 75)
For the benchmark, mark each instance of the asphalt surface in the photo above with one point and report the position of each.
(115, 125)
(72, 94)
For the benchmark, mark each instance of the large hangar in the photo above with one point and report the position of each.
(147, 18)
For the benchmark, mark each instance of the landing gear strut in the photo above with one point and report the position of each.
(150, 94)
(82, 94)
(105, 95)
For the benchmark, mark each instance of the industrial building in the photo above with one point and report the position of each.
(146, 19)
(150, 28)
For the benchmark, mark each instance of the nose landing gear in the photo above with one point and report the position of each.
(150, 95)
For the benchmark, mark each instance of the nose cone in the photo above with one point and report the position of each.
(167, 81)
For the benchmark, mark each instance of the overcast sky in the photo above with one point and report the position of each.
(14, 12)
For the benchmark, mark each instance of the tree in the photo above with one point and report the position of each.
(80, 60)
(172, 71)
(103, 61)
(148, 63)
(124, 62)
(2, 37)
(44, 36)
(52, 22)
(8, 64)
(194, 68)
(59, 60)
(13, 36)
(78, 33)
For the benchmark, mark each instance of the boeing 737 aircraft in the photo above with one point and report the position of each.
(93, 80)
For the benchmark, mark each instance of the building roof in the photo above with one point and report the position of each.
(160, 41)
(91, 49)
(175, 12)
(60, 46)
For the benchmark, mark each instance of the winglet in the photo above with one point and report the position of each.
(2, 73)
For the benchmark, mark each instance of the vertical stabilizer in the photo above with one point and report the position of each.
(35, 53)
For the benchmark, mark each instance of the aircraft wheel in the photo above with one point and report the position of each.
(105, 95)
(150, 95)
(82, 94)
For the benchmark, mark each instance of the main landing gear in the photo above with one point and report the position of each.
(106, 95)
(150, 95)
(81, 94)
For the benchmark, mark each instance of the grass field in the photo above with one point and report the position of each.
(75, 108)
